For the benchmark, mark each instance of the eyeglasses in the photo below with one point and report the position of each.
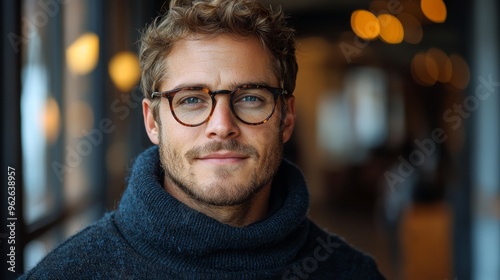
(251, 104)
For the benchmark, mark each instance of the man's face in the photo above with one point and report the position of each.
(224, 161)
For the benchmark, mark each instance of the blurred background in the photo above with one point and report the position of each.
(397, 133)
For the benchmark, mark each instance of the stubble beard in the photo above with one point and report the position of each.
(219, 192)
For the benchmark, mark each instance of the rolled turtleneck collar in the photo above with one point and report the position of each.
(169, 233)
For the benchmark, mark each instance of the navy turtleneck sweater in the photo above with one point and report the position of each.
(154, 236)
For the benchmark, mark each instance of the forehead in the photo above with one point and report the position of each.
(218, 61)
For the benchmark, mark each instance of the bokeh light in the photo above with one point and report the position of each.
(124, 70)
(365, 24)
(51, 120)
(443, 63)
(391, 29)
(434, 10)
(83, 54)
(424, 69)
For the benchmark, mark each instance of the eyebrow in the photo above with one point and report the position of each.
(231, 86)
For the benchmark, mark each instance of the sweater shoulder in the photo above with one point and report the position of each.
(90, 248)
(328, 256)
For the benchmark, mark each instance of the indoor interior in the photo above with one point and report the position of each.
(397, 134)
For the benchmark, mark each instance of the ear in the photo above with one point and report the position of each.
(152, 127)
(289, 121)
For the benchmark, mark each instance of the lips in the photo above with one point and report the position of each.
(223, 157)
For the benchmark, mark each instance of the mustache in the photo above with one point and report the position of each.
(215, 146)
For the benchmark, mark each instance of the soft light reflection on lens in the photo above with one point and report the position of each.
(365, 24)
(434, 10)
(83, 54)
(391, 29)
(124, 70)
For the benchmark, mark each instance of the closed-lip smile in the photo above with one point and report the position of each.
(223, 157)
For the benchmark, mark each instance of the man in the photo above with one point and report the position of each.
(213, 199)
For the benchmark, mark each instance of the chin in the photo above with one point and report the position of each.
(228, 194)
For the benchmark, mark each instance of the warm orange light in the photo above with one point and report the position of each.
(124, 70)
(434, 10)
(391, 29)
(365, 24)
(413, 32)
(443, 63)
(51, 120)
(83, 54)
(424, 69)
(461, 73)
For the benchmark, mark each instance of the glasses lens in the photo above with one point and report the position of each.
(192, 106)
(253, 105)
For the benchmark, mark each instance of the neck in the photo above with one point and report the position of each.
(249, 212)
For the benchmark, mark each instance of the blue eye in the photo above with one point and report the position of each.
(249, 98)
(191, 100)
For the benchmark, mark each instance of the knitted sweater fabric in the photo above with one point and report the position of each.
(154, 236)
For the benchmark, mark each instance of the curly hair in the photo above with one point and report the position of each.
(212, 18)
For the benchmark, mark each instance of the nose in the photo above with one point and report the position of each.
(222, 124)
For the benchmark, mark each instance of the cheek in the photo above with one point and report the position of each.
(178, 137)
(266, 141)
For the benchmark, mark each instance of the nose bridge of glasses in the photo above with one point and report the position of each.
(226, 92)
(222, 91)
